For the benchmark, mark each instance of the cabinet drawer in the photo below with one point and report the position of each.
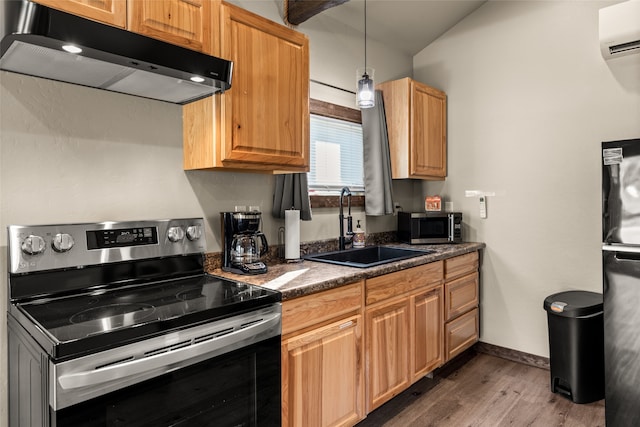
(382, 288)
(314, 309)
(461, 295)
(461, 333)
(460, 265)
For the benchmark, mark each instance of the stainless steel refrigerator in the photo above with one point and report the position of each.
(621, 280)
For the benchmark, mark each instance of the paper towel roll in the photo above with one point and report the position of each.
(292, 234)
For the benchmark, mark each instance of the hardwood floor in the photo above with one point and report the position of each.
(485, 391)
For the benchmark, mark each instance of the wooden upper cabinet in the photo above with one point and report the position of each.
(187, 23)
(112, 12)
(417, 127)
(269, 96)
(262, 122)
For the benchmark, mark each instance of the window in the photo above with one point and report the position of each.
(336, 149)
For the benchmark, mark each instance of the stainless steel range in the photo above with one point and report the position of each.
(116, 323)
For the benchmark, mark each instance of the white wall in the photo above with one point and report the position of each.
(75, 154)
(529, 101)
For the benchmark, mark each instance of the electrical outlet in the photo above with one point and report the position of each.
(396, 208)
(448, 206)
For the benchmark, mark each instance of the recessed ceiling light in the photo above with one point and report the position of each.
(197, 79)
(71, 48)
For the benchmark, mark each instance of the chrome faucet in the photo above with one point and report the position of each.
(342, 239)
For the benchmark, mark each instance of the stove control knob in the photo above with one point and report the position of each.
(194, 232)
(33, 245)
(175, 234)
(62, 242)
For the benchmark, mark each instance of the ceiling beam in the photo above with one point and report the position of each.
(298, 11)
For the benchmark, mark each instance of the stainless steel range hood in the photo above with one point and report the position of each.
(112, 59)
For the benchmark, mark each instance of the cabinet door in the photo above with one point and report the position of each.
(428, 148)
(427, 331)
(186, 23)
(323, 383)
(112, 12)
(387, 343)
(266, 110)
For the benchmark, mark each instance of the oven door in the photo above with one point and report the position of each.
(216, 376)
(241, 388)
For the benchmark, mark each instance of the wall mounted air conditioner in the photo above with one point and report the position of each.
(620, 29)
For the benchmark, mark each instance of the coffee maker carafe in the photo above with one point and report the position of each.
(242, 242)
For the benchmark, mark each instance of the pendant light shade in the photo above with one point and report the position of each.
(365, 89)
(365, 93)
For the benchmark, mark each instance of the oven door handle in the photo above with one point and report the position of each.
(174, 359)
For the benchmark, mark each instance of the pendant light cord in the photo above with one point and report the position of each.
(365, 36)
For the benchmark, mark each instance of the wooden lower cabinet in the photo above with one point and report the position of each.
(428, 342)
(324, 381)
(387, 338)
(461, 302)
(348, 350)
(322, 359)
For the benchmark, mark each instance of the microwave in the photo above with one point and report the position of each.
(429, 227)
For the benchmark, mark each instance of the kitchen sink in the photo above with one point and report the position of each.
(367, 257)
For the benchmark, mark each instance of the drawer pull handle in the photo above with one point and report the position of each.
(346, 324)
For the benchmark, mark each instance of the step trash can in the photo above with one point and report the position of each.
(576, 345)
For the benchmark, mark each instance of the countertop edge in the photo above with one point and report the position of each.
(309, 277)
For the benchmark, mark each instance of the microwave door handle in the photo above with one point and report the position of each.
(452, 227)
(168, 361)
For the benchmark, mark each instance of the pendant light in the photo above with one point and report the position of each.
(365, 91)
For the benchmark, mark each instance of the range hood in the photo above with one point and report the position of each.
(34, 38)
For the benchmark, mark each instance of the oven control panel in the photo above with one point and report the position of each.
(122, 237)
(47, 247)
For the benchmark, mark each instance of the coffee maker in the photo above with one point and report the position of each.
(242, 242)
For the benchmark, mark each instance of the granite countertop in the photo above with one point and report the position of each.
(307, 277)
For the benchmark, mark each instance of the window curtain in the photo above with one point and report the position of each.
(291, 192)
(378, 192)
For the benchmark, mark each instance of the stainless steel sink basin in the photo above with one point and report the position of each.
(367, 257)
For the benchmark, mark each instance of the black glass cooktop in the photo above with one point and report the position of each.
(99, 320)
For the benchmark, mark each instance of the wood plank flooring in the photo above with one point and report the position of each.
(484, 390)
